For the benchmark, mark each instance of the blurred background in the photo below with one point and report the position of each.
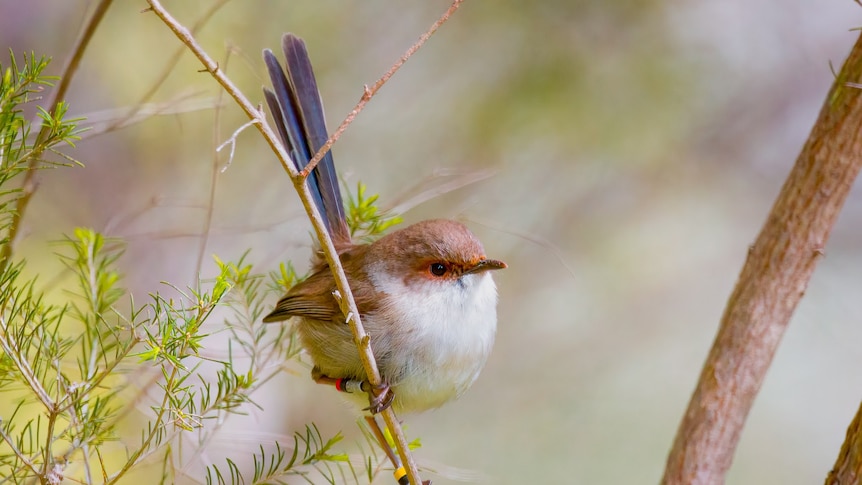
(632, 151)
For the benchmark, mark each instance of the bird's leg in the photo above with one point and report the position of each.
(379, 397)
(319, 377)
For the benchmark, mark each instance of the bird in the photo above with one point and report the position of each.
(425, 293)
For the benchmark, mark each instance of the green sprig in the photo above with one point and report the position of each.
(364, 218)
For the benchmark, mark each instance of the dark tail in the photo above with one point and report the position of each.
(298, 113)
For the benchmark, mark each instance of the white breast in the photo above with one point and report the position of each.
(443, 335)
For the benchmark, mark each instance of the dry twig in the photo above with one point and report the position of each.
(347, 302)
(369, 92)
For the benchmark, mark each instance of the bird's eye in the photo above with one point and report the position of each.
(438, 269)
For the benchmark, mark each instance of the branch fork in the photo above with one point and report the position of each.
(346, 302)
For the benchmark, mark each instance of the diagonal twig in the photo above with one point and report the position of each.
(167, 69)
(347, 302)
(369, 92)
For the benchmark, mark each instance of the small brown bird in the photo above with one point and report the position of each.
(425, 293)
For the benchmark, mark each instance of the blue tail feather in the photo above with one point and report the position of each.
(297, 109)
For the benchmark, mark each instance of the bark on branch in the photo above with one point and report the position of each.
(772, 282)
(848, 466)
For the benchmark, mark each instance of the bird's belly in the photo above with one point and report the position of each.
(429, 351)
(429, 385)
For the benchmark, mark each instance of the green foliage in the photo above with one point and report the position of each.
(64, 365)
(265, 345)
(364, 218)
(283, 279)
(60, 373)
(19, 86)
(72, 364)
(19, 149)
(311, 457)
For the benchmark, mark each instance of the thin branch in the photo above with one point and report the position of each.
(144, 451)
(10, 347)
(254, 113)
(98, 123)
(232, 142)
(167, 69)
(347, 302)
(47, 451)
(533, 238)
(210, 208)
(68, 72)
(26, 461)
(165, 411)
(369, 92)
(772, 282)
(441, 181)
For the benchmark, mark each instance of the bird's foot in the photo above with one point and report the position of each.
(379, 397)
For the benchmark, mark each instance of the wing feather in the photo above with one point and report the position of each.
(313, 297)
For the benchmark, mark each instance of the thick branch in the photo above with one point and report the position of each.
(772, 282)
(848, 465)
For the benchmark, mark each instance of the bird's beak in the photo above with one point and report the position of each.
(486, 265)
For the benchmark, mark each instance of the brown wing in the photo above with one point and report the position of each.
(313, 297)
(294, 306)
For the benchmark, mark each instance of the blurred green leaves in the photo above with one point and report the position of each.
(364, 217)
